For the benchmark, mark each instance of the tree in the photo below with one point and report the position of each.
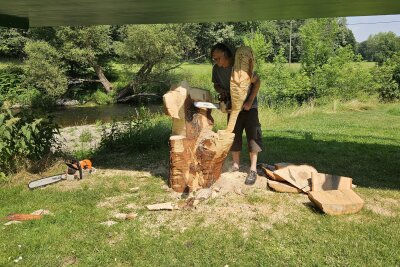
(87, 46)
(44, 69)
(155, 48)
(380, 47)
(260, 47)
(318, 42)
(12, 42)
(387, 79)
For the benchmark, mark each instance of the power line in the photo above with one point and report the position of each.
(378, 22)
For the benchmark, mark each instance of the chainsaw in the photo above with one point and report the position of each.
(75, 170)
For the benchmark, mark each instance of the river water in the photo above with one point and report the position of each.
(75, 116)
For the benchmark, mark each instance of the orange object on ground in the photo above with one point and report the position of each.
(23, 217)
(85, 164)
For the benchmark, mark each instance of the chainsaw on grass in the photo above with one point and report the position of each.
(75, 170)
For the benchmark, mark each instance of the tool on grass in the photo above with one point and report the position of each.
(75, 168)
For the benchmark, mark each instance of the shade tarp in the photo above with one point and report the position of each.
(24, 13)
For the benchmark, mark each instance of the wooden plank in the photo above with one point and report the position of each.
(337, 202)
(298, 176)
(324, 182)
(282, 187)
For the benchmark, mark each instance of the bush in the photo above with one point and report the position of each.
(142, 133)
(102, 98)
(280, 85)
(342, 77)
(387, 79)
(23, 138)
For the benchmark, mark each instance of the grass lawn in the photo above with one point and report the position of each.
(260, 228)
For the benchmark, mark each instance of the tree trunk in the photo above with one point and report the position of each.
(196, 152)
(103, 79)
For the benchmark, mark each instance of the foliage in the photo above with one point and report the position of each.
(260, 47)
(342, 77)
(44, 69)
(141, 133)
(387, 79)
(318, 42)
(380, 47)
(24, 137)
(102, 98)
(12, 42)
(154, 47)
(281, 85)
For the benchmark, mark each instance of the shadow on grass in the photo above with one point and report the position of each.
(370, 165)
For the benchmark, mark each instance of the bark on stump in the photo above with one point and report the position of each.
(196, 152)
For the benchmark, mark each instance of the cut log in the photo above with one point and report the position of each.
(324, 182)
(337, 202)
(196, 152)
(197, 94)
(242, 73)
(282, 187)
(269, 173)
(298, 176)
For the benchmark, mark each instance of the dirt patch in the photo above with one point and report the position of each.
(113, 202)
(244, 207)
(387, 207)
(233, 182)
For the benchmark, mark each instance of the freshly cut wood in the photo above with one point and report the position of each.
(269, 173)
(196, 152)
(298, 176)
(197, 94)
(337, 202)
(242, 74)
(23, 217)
(161, 206)
(282, 187)
(282, 165)
(324, 182)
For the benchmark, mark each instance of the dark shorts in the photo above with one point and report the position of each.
(248, 120)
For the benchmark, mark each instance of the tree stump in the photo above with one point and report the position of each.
(196, 152)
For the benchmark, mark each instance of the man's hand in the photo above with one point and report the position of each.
(247, 105)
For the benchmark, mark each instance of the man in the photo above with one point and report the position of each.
(248, 117)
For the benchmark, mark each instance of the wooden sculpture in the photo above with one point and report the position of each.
(242, 74)
(196, 152)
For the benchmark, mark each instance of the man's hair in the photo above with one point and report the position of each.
(223, 48)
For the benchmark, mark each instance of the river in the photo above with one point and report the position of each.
(75, 116)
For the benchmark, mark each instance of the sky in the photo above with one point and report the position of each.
(362, 31)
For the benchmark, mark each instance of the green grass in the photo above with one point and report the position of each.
(361, 144)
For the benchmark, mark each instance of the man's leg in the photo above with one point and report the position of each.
(253, 161)
(237, 142)
(254, 142)
(236, 159)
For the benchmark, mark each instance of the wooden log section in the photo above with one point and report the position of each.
(196, 152)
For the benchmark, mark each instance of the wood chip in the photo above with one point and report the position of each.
(161, 206)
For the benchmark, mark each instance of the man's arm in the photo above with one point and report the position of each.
(255, 88)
